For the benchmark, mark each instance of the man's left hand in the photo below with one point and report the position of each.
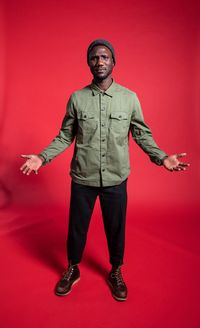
(172, 163)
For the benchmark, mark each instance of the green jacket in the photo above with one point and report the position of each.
(101, 123)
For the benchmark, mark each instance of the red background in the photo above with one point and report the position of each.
(42, 61)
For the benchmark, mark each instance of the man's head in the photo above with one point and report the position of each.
(101, 59)
(101, 42)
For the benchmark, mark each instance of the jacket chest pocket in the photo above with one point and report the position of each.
(86, 122)
(119, 122)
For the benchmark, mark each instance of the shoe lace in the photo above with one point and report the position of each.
(67, 274)
(118, 276)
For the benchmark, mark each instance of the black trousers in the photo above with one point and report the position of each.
(113, 201)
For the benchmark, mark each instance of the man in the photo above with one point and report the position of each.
(100, 116)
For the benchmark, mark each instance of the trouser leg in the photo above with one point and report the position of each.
(81, 207)
(113, 202)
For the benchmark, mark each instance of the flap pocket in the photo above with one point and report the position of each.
(85, 115)
(119, 116)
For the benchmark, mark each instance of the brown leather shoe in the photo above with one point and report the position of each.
(117, 284)
(70, 277)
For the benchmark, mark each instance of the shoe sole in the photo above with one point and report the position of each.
(69, 291)
(114, 296)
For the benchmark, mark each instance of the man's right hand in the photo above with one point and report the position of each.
(33, 163)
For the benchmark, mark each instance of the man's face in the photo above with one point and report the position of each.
(101, 62)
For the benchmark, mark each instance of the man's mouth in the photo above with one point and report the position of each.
(100, 70)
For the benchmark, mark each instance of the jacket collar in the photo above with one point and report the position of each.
(96, 90)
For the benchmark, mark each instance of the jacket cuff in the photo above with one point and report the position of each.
(159, 161)
(43, 158)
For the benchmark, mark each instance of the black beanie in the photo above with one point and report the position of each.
(101, 42)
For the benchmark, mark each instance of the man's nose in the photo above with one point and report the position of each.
(99, 61)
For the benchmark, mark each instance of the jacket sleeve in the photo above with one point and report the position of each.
(142, 135)
(65, 137)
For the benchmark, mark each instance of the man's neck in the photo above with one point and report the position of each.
(104, 84)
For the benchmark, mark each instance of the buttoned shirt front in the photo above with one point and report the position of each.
(101, 122)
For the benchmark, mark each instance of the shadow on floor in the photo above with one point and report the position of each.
(41, 236)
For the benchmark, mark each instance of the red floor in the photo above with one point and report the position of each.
(162, 270)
